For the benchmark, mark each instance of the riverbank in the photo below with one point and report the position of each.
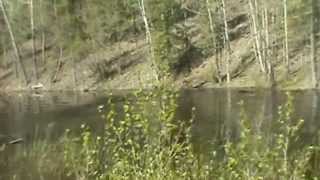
(115, 68)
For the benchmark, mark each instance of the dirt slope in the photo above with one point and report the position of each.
(124, 65)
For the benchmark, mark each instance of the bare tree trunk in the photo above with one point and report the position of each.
(211, 26)
(313, 39)
(286, 45)
(267, 39)
(4, 53)
(218, 61)
(269, 65)
(313, 61)
(256, 35)
(74, 72)
(55, 10)
(59, 66)
(43, 47)
(148, 37)
(14, 44)
(273, 50)
(34, 59)
(146, 23)
(43, 35)
(263, 41)
(227, 40)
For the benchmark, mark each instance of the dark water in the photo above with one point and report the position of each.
(46, 116)
(218, 112)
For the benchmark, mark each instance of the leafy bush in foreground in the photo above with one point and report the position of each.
(147, 142)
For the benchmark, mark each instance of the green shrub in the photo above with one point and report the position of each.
(145, 140)
(145, 143)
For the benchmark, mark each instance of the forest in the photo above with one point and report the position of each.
(194, 43)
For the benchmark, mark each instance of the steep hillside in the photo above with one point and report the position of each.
(124, 62)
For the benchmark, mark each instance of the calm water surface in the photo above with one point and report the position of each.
(47, 115)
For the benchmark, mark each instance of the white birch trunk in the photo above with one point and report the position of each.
(267, 46)
(256, 36)
(314, 67)
(43, 34)
(313, 62)
(286, 45)
(211, 26)
(74, 72)
(18, 61)
(227, 40)
(34, 59)
(148, 37)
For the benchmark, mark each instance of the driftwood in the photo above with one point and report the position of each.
(7, 140)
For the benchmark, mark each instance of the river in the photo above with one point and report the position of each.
(36, 116)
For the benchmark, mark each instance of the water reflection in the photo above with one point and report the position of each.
(218, 112)
(21, 115)
(46, 116)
